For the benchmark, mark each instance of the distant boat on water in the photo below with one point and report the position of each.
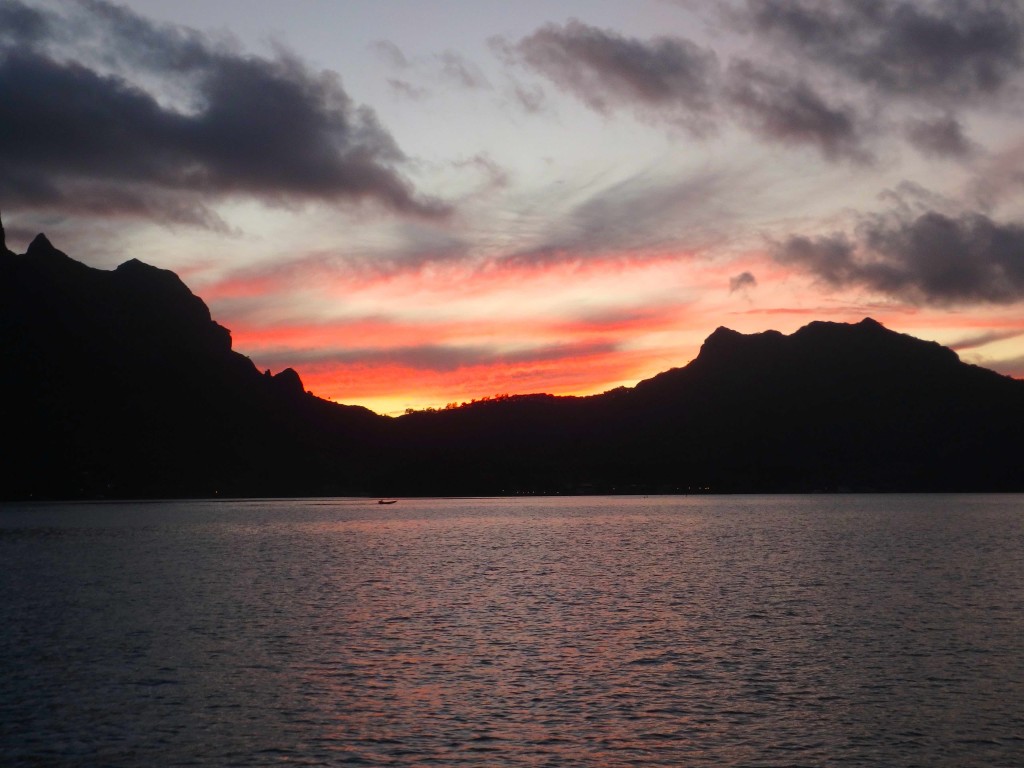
(392, 501)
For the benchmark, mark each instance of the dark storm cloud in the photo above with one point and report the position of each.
(941, 137)
(742, 281)
(933, 258)
(949, 49)
(789, 110)
(671, 77)
(20, 23)
(74, 128)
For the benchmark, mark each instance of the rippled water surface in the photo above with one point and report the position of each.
(665, 631)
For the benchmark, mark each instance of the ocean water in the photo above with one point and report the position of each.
(662, 631)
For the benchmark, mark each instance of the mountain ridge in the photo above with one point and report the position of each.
(120, 383)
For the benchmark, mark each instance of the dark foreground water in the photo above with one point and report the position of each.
(761, 631)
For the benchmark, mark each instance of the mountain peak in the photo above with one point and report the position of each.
(831, 327)
(136, 267)
(725, 343)
(162, 284)
(3, 237)
(288, 381)
(40, 245)
(721, 333)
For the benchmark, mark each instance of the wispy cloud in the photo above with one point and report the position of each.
(635, 217)
(461, 71)
(390, 54)
(982, 339)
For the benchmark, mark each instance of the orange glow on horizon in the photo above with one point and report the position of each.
(392, 388)
(427, 336)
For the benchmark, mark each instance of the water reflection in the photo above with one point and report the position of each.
(614, 632)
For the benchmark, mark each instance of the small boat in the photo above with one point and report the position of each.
(392, 501)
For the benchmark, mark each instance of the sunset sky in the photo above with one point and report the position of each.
(416, 202)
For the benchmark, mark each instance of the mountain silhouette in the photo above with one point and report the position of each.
(119, 384)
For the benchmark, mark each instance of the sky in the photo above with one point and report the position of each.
(418, 202)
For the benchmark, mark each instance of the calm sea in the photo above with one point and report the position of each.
(662, 631)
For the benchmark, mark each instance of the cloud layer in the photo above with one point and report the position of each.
(930, 259)
(673, 77)
(815, 74)
(195, 121)
(948, 49)
(617, 185)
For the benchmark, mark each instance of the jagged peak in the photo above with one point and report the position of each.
(136, 265)
(721, 332)
(42, 253)
(141, 273)
(40, 244)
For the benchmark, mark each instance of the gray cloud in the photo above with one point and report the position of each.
(945, 49)
(460, 70)
(999, 178)
(405, 89)
(674, 81)
(791, 111)
(909, 200)
(496, 177)
(940, 137)
(21, 24)
(742, 281)
(672, 78)
(943, 54)
(73, 128)
(530, 99)
(391, 54)
(932, 258)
